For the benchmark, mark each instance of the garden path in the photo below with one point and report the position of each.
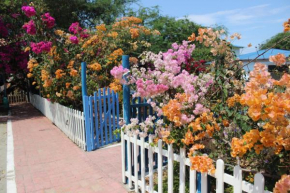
(47, 161)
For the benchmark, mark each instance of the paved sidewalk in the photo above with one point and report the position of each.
(47, 161)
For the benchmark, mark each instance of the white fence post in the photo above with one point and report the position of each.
(238, 179)
(170, 168)
(219, 174)
(182, 171)
(143, 184)
(135, 163)
(150, 156)
(160, 163)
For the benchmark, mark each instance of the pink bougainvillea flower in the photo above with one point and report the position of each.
(278, 59)
(40, 47)
(75, 28)
(30, 27)
(48, 20)
(29, 11)
(74, 39)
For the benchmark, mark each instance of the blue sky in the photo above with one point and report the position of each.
(255, 20)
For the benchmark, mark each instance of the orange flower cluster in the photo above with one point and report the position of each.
(134, 33)
(202, 164)
(286, 25)
(101, 27)
(73, 72)
(133, 60)
(95, 66)
(241, 146)
(269, 104)
(233, 100)
(59, 73)
(31, 64)
(283, 185)
(116, 86)
(278, 59)
(172, 111)
(127, 22)
(114, 56)
(165, 136)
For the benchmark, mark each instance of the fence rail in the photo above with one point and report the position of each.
(130, 174)
(69, 121)
(18, 97)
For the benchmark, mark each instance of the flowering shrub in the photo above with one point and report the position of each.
(56, 55)
(194, 108)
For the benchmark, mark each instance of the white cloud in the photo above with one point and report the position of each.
(237, 16)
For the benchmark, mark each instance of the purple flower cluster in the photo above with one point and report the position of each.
(75, 28)
(74, 39)
(40, 47)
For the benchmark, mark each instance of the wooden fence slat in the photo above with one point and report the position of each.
(96, 120)
(259, 183)
(135, 162)
(219, 173)
(150, 156)
(238, 179)
(182, 171)
(129, 154)
(123, 157)
(110, 115)
(203, 182)
(105, 115)
(192, 181)
(160, 163)
(101, 117)
(142, 152)
(114, 114)
(170, 168)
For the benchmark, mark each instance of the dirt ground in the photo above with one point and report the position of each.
(3, 154)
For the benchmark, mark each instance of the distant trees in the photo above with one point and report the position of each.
(282, 38)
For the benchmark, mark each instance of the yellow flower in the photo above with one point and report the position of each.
(95, 66)
(33, 83)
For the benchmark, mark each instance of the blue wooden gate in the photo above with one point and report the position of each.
(101, 113)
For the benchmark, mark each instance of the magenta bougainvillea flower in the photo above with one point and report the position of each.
(29, 11)
(74, 39)
(30, 27)
(48, 20)
(40, 47)
(75, 28)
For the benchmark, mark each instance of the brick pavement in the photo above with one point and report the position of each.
(47, 161)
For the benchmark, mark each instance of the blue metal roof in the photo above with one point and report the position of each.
(271, 52)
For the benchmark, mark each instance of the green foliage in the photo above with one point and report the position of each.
(283, 45)
(88, 13)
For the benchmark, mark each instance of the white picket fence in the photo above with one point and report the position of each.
(139, 181)
(18, 97)
(69, 121)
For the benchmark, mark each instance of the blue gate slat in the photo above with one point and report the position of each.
(105, 115)
(101, 117)
(97, 139)
(117, 112)
(114, 115)
(110, 115)
(91, 121)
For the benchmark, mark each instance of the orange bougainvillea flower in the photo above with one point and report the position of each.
(95, 66)
(59, 73)
(283, 185)
(67, 85)
(29, 75)
(191, 37)
(286, 26)
(73, 72)
(76, 88)
(278, 59)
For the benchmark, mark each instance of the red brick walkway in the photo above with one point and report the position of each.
(47, 161)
